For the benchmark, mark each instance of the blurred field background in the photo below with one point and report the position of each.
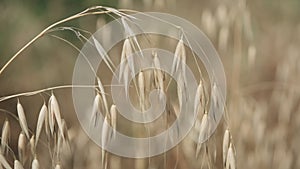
(261, 56)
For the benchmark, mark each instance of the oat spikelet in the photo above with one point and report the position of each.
(176, 57)
(199, 102)
(96, 111)
(158, 75)
(104, 139)
(22, 147)
(5, 136)
(35, 164)
(54, 109)
(204, 127)
(32, 144)
(226, 141)
(126, 60)
(113, 119)
(18, 165)
(126, 80)
(103, 54)
(230, 161)
(57, 166)
(102, 93)
(141, 85)
(4, 162)
(22, 119)
(40, 122)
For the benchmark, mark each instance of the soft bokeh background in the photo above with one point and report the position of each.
(261, 58)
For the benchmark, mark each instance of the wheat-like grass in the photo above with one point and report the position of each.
(57, 132)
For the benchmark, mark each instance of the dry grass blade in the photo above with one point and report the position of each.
(5, 136)
(4, 162)
(226, 141)
(22, 119)
(35, 164)
(18, 165)
(22, 147)
(40, 122)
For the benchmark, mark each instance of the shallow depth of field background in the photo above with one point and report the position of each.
(263, 102)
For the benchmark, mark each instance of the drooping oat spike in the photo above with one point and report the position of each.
(179, 90)
(226, 141)
(113, 118)
(35, 164)
(126, 80)
(102, 93)
(126, 60)
(230, 161)
(58, 145)
(177, 54)
(215, 99)
(199, 102)
(96, 111)
(103, 54)
(183, 63)
(158, 75)
(40, 122)
(32, 145)
(4, 162)
(22, 119)
(56, 112)
(130, 59)
(123, 62)
(204, 127)
(65, 130)
(104, 139)
(57, 166)
(5, 136)
(22, 147)
(141, 84)
(50, 118)
(18, 165)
